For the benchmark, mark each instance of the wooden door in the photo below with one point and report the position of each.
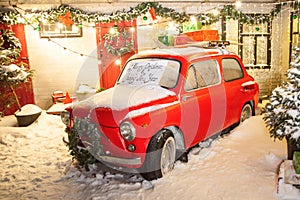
(109, 70)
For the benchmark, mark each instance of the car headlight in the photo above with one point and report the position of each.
(127, 131)
(65, 117)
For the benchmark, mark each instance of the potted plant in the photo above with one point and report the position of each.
(12, 74)
(282, 113)
(296, 160)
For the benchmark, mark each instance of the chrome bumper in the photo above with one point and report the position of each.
(121, 161)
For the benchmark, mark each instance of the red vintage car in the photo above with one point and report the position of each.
(164, 102)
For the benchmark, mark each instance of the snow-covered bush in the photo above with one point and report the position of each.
(282, 114)
(11, 75)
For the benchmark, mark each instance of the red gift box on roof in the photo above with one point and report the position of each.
(201, 35)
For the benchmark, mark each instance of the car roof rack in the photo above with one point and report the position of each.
(214, 44)
(218, 43)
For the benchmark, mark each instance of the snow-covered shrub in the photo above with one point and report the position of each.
(12, 73)
(282, 114)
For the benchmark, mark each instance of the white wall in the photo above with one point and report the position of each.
(59, 69)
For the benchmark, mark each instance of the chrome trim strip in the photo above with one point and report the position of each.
(123, 161)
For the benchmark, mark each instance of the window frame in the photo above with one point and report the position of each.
(149, 58)
(267, 35)
(294, 32)
(239, 64)
(195, 75)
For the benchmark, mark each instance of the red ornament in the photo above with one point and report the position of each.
(66, 19)
(67, 99)
(152, 12)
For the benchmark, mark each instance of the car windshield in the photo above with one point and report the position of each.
(163, 72)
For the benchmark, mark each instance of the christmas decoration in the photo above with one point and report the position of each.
(34, 17)
(67, 99)
(152, 13)
(78, 152)
(11, 75)
(10, 47)
(66, 19)
(282, 114)
(118, 42)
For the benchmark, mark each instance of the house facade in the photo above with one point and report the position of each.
(65, 58)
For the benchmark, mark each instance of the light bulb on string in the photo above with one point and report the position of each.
(193, 19)
(171, 24)
(112, 30)
(118, 61)
(60, 25)
(238, 4)
(132, 29)
(21, 20)
(215, 12)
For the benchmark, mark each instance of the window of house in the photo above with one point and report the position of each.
(202, 74)
(231, 69)
(60, 30)
(255, 51)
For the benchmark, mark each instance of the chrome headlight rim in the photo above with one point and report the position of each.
(127, 130)
(66, 117)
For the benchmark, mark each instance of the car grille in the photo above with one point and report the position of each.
(89, 135)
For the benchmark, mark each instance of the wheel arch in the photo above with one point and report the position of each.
(251, 103)
(178, 136)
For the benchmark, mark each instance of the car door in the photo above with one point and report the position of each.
(233, 79)
(200, 102)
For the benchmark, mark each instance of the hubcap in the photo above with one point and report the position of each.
(168, 156)
(246, 113)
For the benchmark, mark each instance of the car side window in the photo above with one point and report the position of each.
(207, 73)
(190, 82)
(231, 69)
(202, 74)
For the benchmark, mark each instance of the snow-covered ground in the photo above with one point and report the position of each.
(35, 164)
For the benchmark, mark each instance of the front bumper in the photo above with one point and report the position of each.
(121, 161)
(110, 150)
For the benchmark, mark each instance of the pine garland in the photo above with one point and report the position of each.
(78, 153)
(12, 16)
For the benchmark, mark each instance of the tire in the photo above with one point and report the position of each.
(246, 112)
(160, 156)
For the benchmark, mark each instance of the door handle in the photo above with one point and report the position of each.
(186, 97)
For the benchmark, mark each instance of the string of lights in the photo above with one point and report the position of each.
(230, 11)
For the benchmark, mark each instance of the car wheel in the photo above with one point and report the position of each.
(246, 112)
(160, 156)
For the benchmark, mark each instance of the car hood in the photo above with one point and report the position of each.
(109, 107)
